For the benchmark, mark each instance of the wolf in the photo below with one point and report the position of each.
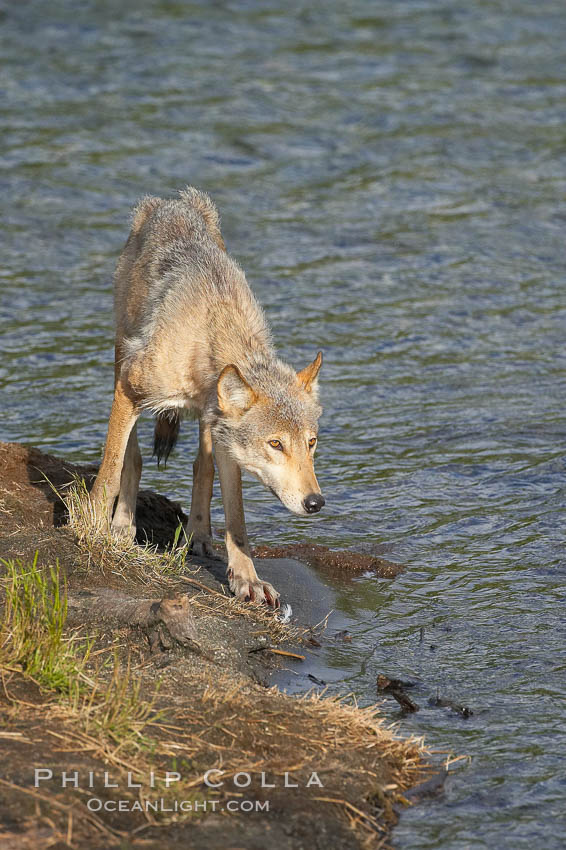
(192, 338)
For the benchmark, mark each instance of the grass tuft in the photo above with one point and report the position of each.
(119, 554)
(31, 633)
(33, 642)
(115, 709)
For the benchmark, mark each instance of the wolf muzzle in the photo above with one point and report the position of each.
(313, 503)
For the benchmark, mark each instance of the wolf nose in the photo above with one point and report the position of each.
(313, 503)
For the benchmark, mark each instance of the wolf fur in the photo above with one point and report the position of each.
(190, 336)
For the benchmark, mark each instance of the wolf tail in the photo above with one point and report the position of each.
(165, 435)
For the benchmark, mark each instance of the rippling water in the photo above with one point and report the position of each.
(391, 175)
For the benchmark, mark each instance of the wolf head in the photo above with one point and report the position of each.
(268, 420)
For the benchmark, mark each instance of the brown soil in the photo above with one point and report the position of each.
(212, 710)
(330, 560)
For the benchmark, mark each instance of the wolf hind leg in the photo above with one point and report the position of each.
(122, 420)
(124, 520)
(198, 526)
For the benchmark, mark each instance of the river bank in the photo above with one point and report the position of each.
(175, 683)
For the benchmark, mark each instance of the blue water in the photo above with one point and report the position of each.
(392, 178)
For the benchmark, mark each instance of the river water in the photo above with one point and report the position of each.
(392, 176)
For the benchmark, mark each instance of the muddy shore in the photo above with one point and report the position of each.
(213, 708)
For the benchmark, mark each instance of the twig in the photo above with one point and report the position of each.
(278, 652)
(395, 687)
(202, 586)
(350, 807)
(324, 620)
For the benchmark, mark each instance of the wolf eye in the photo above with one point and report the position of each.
(312, 442)
(276, 444)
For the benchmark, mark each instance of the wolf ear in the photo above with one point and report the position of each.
(234, 393)
(307, 376)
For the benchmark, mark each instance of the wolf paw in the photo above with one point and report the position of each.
(123, 531)
(255, 590)
(202, 547)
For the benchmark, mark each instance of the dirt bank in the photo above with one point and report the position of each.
(173, 682)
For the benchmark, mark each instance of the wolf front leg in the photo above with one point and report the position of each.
(244, 581)
(198, 525)
(124, 520)
(123, 417)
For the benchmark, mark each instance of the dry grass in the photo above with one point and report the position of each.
(120, 555)
(363, 765)
(221, 722)
(234, 730)
(145, 564)
(113, 708)
(225, 606)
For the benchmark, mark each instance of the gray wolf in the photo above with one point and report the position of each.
(191, 337)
